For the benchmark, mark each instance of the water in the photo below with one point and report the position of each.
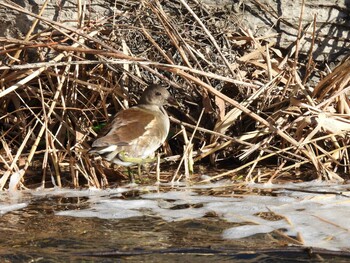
(150, 224)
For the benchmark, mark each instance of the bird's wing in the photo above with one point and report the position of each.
(127, 126)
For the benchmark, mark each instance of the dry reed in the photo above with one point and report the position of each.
(59, 83)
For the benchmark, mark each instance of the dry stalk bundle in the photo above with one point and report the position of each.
(244, 104)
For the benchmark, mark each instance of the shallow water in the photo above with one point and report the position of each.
(170, 224)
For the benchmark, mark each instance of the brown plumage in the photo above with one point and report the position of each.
(136, 132)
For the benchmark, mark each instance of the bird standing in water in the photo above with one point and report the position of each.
(136, 133)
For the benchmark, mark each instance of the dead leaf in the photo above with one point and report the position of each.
(220, 103)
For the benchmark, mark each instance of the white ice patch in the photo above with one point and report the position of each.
(5, 208)
(180, 214)
(104, 213)
(113, 209)
(246, 231)
(12, 201)
(65, 192)
(319, 213)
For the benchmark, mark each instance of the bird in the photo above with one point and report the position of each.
(137, 132)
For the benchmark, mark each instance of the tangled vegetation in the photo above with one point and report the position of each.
(244, 102)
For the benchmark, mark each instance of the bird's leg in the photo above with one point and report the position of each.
(158, 168)
(139, 169)
(131, 176)
(135, 160)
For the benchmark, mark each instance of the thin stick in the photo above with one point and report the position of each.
(212, 39)
(187, 147)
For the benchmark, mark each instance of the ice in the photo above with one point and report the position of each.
(5, 208)
(103, 213)
(11, 201)
(246, 231)
(127, 204)
(317, 212)
(65, 192)
(14, 180)
(180, 214)
(171, 195)
(185, 196)
(113, 209)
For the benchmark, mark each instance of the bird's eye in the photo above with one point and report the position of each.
(158, 93)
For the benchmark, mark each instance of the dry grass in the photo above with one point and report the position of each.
(60, 83)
